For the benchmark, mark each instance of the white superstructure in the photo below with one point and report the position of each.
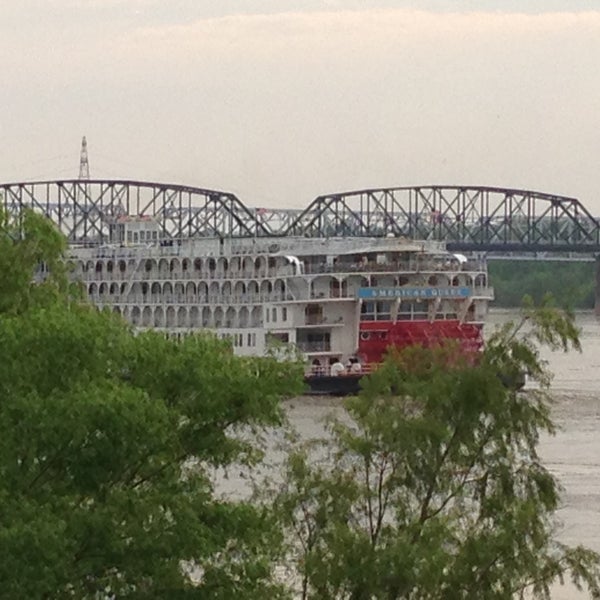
(313, 293)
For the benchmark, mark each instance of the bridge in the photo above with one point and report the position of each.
(467, 218)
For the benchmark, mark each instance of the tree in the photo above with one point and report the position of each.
(108, 442)
(32, 251)
(571, 283)
(431, 485)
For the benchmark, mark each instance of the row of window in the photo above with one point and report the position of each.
(134, 237)
(221, 264)
(207, 312)
(202, 289)
(411, 311)
(219, 312)
(169, 299)
(273, 316)
(194, 318)
(237, 339)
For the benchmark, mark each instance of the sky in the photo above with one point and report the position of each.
(279, 101)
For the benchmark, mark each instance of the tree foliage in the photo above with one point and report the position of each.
(571, 283)
(431, 486)
(26, 244)
(108, 441)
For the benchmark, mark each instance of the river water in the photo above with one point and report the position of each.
(573, 454)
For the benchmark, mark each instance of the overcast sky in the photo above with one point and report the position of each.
(279, 101)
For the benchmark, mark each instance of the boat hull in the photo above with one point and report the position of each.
(328, 385)
(350, 384)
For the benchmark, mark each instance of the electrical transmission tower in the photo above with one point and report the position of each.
(84, 165)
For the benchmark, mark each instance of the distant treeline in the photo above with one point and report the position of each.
(571, 283)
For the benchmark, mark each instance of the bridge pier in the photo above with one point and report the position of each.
(597, 290)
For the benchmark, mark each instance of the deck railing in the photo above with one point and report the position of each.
(325, 371)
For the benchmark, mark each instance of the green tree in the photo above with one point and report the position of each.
(430, 486)
(31, 251)
(571, 283)
(109, 441)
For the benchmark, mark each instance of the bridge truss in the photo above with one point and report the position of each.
(84, 210)
(465, 217)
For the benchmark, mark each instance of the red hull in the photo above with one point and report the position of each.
(376, 336)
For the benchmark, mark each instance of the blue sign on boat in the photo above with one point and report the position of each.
(414, 292)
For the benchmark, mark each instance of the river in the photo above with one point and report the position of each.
(573, 454)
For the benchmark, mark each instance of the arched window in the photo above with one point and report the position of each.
(202, 292)
(244, 317)
(136, 315)
(171, 320)
(147, 316)
(195, 317)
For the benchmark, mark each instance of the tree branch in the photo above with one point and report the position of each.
(49, 464)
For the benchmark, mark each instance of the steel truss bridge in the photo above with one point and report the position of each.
(467, 218)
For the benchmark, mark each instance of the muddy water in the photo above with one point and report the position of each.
(573, 455)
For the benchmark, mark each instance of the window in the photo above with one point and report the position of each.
(367, 311)
(250, 339)
(413, 310)
(284, 314)
(314, 341)
(274, 316)
(384, 311)
(277, 338)
(375, 311)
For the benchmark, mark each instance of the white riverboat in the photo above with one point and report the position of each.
(332, 299)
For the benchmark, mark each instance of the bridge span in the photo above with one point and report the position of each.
(467, 218)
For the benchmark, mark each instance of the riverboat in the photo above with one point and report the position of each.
(332, 299)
